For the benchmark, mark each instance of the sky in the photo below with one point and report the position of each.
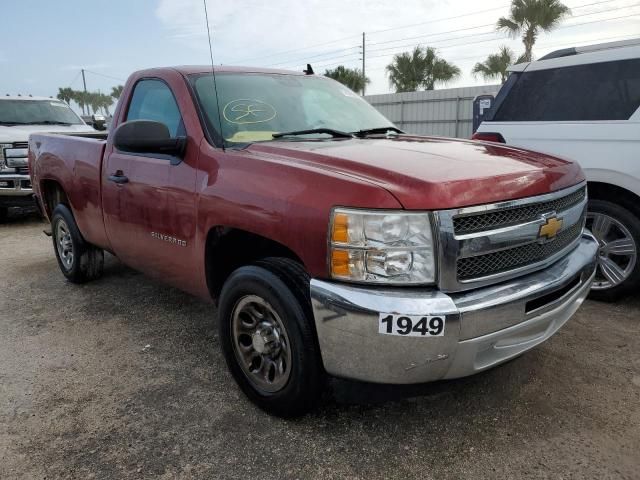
(46, 43)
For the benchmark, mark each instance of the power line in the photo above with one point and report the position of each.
(376, 31)
(498, 38)
(396, 47)
(441, 19)
(493, 24)
(544, 45)
(436, 42)
(501, 38)
(437, 33)
(277, 54)
(75, 78)
(106, 76)
(342, 62)
(475, 13)
(485, 41)
(313, 56)
(433, 34)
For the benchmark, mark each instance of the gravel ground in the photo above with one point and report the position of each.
(123, 378)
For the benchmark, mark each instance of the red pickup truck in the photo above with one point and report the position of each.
(332, 242)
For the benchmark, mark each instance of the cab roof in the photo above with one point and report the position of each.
(196, 69)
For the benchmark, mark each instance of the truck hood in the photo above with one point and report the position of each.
(435, 173)
(20, 133)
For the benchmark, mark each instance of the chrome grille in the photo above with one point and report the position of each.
(511, 216)
(20, 144)
(486, 244)
(504, 260)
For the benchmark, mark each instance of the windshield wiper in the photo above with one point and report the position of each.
(11, 124)
(328, 131)
(46, 122)
(373, 131)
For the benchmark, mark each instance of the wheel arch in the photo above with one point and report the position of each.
(228, 248)
(52, 194)
(615, 194)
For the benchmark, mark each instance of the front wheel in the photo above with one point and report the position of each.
(618, 233)
(268, 337)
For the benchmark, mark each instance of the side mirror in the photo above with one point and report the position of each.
(98, 122)
(146, 136)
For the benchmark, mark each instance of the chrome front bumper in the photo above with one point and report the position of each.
(484, 327)
(15, 185)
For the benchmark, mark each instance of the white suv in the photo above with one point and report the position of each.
(584, 104)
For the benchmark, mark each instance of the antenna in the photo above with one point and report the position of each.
(213, 73)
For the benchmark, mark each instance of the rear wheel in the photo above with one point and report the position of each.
(618, 233)
(78, 260)
(268, 337)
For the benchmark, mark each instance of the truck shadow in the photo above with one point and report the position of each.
(202, 322)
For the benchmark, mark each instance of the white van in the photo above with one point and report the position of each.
(583, 104)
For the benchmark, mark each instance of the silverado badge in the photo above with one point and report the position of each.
(550, 228)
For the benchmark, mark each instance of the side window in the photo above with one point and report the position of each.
(596, 91)
(153, 100)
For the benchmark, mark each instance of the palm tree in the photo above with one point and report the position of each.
(420, 68)
(495, 66)
(94, 101)
(437, 69)
(65, 94)
(528, 17)
(105, 102)
(116, 91)
(350, 77)
(81, 98)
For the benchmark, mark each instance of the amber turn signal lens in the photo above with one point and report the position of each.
(340, 231)
(340, 263)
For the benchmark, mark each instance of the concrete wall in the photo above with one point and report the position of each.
(446, 112)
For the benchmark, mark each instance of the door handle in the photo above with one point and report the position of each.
(118, 177)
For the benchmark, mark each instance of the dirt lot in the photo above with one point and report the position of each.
(123, 378)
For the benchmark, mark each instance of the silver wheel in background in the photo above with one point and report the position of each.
(64, 244)
(261, 344)
(618, 250)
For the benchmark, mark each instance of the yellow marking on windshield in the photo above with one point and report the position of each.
(245, 111)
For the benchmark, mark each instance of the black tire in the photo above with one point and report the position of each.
(4, 214)
(87, 261)
(284, 284)
(632, 224)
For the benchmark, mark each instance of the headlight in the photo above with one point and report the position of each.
(388, 247)
(3, 165)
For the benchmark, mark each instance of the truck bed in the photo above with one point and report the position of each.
(74, 161)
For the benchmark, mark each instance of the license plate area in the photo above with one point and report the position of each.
(411, 325)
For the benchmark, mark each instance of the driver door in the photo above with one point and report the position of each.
(149, 199)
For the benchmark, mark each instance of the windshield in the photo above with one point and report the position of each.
(34, 112)
(255, 106)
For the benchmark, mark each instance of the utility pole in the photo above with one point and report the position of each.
(84, 82)
(364, 76)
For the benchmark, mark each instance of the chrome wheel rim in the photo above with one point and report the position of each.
(617, 252)
(261, 344)
(64, 243)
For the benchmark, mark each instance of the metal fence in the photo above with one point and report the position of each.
(447, 112)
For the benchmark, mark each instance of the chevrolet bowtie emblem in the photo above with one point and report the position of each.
(550, 228)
